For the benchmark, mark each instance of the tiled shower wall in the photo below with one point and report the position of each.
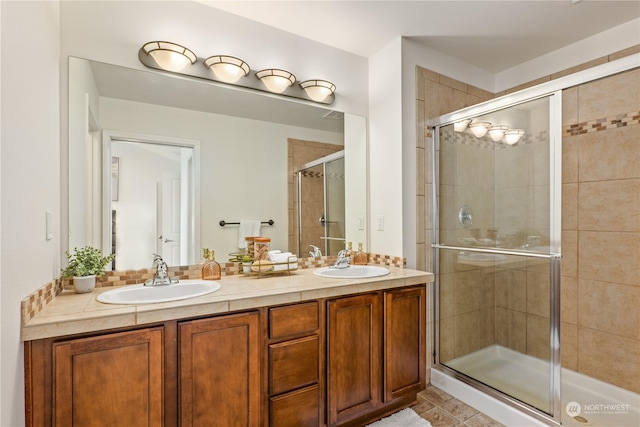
(601, 219)
(300, 153)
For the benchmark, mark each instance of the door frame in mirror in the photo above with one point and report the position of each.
(110, 136)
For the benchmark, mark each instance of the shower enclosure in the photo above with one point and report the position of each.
(497, 250)
(321, 206)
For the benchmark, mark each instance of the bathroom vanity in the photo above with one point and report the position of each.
(297, 350)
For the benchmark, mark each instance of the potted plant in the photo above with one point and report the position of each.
(84, 265)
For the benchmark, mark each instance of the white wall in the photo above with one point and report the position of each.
(243, 173)
(385, 149)
(30, 176)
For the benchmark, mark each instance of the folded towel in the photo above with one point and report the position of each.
(247, 228)
(282, 257)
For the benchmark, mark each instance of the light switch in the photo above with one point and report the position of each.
(361, 222)
(49, 226)
(380, 222)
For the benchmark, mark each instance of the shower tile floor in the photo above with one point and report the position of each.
(443, 410)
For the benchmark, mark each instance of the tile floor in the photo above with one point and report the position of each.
(443, 410)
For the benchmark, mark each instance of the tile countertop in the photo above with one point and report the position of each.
(70, 313)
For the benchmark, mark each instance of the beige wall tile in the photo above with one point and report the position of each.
(610, 358)
(480, 93)
(438, 99)
(447, 336)
(538, 291)
(609, 257)
(420, 218)
(570, 206)
(570, 253)
(447, 295)
(609, 307)
(456, 84)
(569, 346)
(570, 106)
(469, 333)
(613, 95)
(610, 154)
(468, 292)
(538, 337)
(529, 84)
(584, 66)
(610, 205)
(624, 52)
(428, 74)
(570, 150)
(511, 289)
(420, 171)
(569, 300)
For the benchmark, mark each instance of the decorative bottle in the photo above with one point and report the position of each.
(211, 269)
(349, 251)
(360, 257)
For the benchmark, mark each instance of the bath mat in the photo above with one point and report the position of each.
(405, 418)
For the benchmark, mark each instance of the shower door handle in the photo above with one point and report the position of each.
(322, 220)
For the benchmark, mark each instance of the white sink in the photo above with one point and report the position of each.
(352, 272)
(140, 294)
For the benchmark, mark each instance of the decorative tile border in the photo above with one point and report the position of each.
(38, 300)
(597, 125)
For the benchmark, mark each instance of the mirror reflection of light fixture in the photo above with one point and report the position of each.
(497, 132)
(276, 80)
(479, 129)
(461, 125)
(170, 56)
(512, 136)
(229, 69)
(318, 90)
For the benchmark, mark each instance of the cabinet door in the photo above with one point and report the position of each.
(354, 348)
(220, 371)
(110, 380)
(404, 337)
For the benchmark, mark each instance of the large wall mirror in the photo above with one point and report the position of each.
(157, 161)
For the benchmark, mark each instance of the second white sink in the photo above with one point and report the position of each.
(352, 272)
(140, 294)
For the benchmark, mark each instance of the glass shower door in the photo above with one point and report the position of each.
(321, 205)
(496, 253)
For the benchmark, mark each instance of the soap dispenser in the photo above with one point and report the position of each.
(349, 251)
(361, 257)
(211, 270)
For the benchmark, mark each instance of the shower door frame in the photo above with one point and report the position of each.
(554, 255)
(321, 161)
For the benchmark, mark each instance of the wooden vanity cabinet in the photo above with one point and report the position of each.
(294, 351)
(375, 354)
(219, 372)
(111, 379)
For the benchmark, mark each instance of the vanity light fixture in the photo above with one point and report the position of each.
(461, 125)
(170, 56)
(276, 80)
(227, 68)
(318, 90)
(497, 132)
(512, 136)
(479, 129)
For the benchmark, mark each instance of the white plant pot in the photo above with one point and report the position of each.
(84, 284)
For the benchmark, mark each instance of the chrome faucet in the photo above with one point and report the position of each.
(343, 260)
(161, 277)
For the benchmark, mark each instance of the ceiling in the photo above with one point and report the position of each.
(492, 35)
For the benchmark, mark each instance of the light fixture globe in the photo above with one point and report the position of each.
(276, 80)
(512, 136)
(318, 90)
(228, 69)
(479, 129)
(497, 132)
(461, 125)
(170, 56)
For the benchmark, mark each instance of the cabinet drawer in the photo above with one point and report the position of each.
(293, 364)
(297, 409)
(293, 319)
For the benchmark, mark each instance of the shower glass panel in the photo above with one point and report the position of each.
(496, 254)
(322, 205)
